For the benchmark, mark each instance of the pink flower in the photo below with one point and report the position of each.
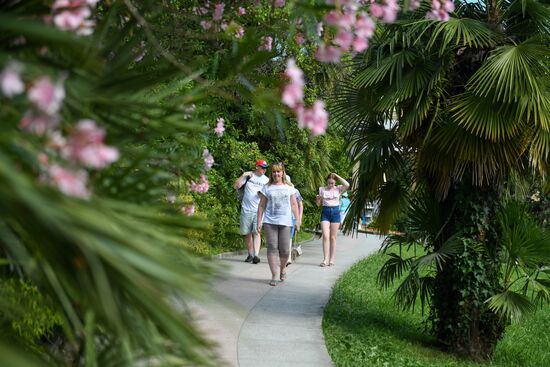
(218, 11)
(344, 39)
(293, 92)
(47, 96)
(241, 11)
(71, 183)
(414, 4)
(206, 24)
(377, 10)
(319, 117)
(314, 118)
(293, 95)
(364, 26)
(279, 3)
(347, 20)
(189, 210)
(449, 6)
(328, 54)
(38, 124)
(267, 44)
(360, 44)
(239, 33)
(200, 187)
(10, 80)
(332, 17)
(299, 38)
(219, 129)
(208, 159)
(70, 20)
(294, 72)
(85, 145)
(56, 141)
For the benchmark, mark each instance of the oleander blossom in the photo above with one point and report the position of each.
(293, 93)
(11, 83)
(219, 129)
(267, 44)
(208, 159)
(85, 146)
(201, 186)
(69, 182)
(47, 96)
(218, 11)
(239, 33)
(38, 124)
(353, 29)
(241, 11)
(440, 10)
(188, 210)
(279, 3)
(72, 15)
(314, 118)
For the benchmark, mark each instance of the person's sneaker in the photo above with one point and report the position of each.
(249, 259)
(256, 260)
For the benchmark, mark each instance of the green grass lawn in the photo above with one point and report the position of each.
(362, 327)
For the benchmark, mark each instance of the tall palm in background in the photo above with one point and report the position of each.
(437, 115)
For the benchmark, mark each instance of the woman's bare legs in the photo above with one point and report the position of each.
(325, 229)
(333, 232)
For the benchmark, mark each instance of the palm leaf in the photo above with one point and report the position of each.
(511, 305)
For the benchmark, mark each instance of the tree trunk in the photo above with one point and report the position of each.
(460, 317)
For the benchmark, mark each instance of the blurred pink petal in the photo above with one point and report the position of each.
(37, 123)
(85, 145)
(71, 183)
(10, 80)
(46, 95)
(218, 11)
(219, 129)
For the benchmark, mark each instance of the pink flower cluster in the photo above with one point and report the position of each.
(314, 118)
(73, 15)
(217, 23)
(188, 210)
(267, 44)
(219, 129)
(208, 159)
(69, 182)
(353, 30)
(441, 9)
(385, 10)
(201, 186)
(83, 148)
(46, 98)
(279, 3)
(11, 83)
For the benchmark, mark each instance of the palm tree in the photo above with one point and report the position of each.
(441, 112)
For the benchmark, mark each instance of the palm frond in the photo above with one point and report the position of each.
(511, 305)
(393, 269)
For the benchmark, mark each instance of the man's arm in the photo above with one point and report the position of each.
(241, 180)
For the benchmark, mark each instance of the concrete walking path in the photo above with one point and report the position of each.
(255, 324)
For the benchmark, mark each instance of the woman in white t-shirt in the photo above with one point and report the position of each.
(329, 198)
(277, 204)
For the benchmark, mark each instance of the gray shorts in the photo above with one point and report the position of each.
(249, 223)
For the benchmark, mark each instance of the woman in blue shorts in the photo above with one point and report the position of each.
(329, 198)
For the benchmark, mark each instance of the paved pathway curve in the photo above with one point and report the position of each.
(254, 324)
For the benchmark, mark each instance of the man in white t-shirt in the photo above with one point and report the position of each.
(253, 181)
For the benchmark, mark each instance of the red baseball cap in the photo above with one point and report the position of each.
(261, 163)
